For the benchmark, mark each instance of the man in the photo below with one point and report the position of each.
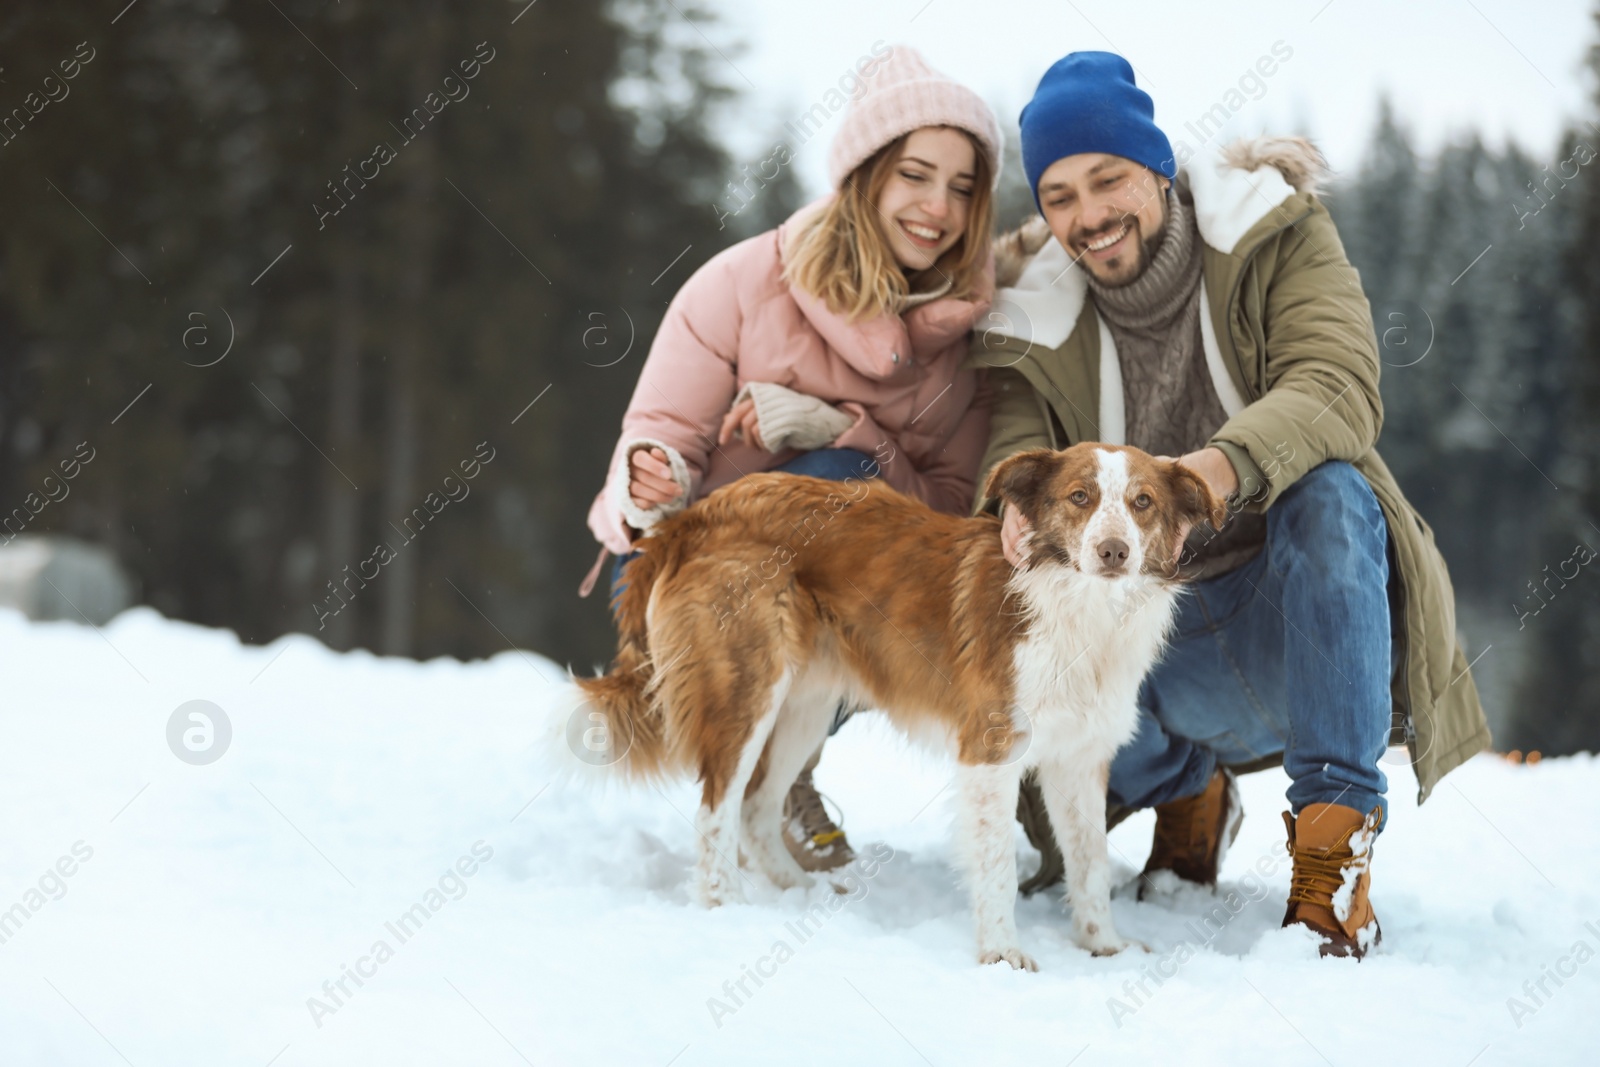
(1209, 314)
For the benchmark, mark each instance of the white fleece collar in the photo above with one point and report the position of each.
(1044, 304)
(1228, 202)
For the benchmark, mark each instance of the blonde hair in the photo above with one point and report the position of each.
(842, 255)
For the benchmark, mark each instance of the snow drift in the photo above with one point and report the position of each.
(375, 870)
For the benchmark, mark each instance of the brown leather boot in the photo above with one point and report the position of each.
(1193, 834)
(1332, 850)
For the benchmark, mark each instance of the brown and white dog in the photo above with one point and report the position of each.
(752, 614)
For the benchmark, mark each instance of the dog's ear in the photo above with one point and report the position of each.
(1020, 478)
(1196, 502)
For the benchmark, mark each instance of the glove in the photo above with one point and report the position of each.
(643, 519)
(789, 419)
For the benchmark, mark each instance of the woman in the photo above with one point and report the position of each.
(832, 345)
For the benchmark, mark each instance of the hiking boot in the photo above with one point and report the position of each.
(1332, 850)
(1193, 833)
(813, 839)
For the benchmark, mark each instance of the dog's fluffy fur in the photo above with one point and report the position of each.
(751, 615)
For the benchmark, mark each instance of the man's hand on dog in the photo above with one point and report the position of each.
(1214, 468)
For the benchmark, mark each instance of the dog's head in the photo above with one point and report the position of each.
(1106, 510)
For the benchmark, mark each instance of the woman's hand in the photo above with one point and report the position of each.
(650, 481)
(742, 422)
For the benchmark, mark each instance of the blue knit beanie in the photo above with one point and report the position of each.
(1087, 102)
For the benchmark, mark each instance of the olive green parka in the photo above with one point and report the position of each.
(1289, 340)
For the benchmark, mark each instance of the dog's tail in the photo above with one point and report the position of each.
(616, 721)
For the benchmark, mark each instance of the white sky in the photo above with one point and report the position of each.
(1448, 64)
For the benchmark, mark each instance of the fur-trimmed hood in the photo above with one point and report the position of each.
(1229, 189)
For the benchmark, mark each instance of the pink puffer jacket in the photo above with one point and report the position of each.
(736, 320)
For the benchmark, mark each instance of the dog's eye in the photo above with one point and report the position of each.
(1142, 501)
(1079, 497)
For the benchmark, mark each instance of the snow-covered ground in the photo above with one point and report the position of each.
(155, 911)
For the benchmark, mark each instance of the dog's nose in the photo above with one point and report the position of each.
(1113, 553)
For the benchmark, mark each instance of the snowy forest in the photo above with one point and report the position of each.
(266, 312)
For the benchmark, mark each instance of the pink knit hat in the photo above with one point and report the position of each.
(903, 94)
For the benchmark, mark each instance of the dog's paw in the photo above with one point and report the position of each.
(1018, 959)
(717, 891)
(1111, 946)
(784, 879)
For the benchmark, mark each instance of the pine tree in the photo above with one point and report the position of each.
(1558, 705)
(1013, 200)
(1477, 329)
(382, 327)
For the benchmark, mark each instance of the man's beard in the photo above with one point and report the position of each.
(1146, 251)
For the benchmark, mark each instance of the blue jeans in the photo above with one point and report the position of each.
(834, 464)
(1290, 653)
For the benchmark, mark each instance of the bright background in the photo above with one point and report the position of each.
(1510, 70)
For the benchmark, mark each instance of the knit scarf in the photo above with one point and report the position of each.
(1171, 407)
(1169, 402)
